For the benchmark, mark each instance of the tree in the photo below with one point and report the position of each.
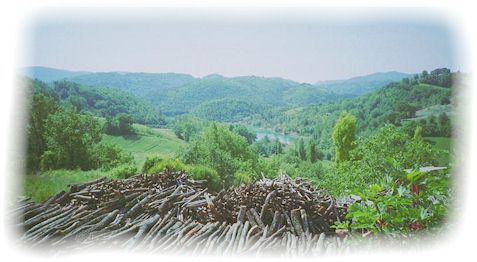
(444, 125)
(344, 135)
(243, 131)
(70, 139)
(418, 132)
(121, 124)
(41, 107)
(124, 123)
(278, 147)
(301, 149)
(224, 151)
(313, 152)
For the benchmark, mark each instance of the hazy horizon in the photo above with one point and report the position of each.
(302, 49)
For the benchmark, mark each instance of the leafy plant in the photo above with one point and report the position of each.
(199, 172)
(401, 203)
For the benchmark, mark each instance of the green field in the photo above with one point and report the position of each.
(444, 145)
(148, 141)
(40, 187)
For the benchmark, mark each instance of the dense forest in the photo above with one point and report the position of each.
(359, 140)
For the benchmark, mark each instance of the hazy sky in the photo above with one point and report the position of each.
(293, 46)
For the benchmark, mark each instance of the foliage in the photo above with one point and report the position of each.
(242, 130)
(107, 156)
(344, 136)
(123, 171)
(70, 138)
(418, 132)
(150, 162)
(439, 77)
(222, 150)
(242, 178)
(301, 149)
(187, 126)
(200, 172)
(226, 110)
(313, 153)
(170, 164)
(267, 147)
(61, 138)
(121, 124)
(106, 102)
(42, 105)
(375, 156)
(362, 84)
(402, 203)
(390, 104)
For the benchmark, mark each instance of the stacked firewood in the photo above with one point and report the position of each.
(167, 211)
(279, 202)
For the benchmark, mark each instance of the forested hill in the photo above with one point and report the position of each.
(146, 85)
(175, 94)
(362, 84)
(103, 102)
(47, 74)
(399, 103)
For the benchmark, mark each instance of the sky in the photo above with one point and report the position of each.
(305, 46)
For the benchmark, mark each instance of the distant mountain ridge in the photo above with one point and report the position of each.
(175, 93)
(48, 74)
(362, 84)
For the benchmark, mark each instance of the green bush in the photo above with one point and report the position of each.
(380, 154)
(108, 156)
(199, 172)
(123, 171)
(401, 203)
(150, 162)
(173, 164)
(241, 177)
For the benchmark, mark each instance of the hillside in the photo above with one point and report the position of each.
(102, 102)
(226, 110)
(146, 85)
(175, 94)
(47, 74)
(148, 142)
(362, 84)
(392, 104)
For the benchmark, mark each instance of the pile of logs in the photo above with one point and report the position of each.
(279, 202)
(168, 212)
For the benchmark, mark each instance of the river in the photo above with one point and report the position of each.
(283, 138)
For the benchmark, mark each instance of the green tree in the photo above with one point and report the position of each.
(313, 152)
(444, 125)
(301, 149)
(243, 131)
(41, 107)
(418, 132)
(278, 147)
(344, 135)
(224, 151)
(121, 124)
(70, 139)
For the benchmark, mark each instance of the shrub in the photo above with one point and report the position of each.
(199, 172)
(401, 203)
(123, 171)
(108, 156)
(241, 177)
(173, 164)
(150, 162)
